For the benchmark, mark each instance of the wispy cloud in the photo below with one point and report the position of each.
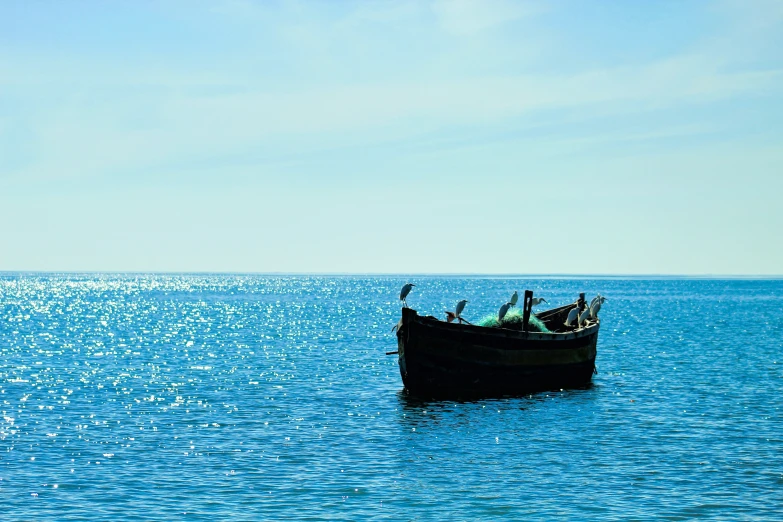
(90, 116)
(385, 115)
(473, 16)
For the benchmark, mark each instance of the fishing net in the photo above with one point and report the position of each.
(513, 321)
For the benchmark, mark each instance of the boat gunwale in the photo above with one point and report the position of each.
(505, 333)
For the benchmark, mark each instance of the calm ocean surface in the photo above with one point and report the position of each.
(261, 397)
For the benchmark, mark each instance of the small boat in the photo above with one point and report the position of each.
(438, 358)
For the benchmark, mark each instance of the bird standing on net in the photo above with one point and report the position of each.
(503, 311)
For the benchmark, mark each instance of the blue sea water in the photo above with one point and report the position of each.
(260, 397)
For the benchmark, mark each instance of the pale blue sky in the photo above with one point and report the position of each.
(458, 136)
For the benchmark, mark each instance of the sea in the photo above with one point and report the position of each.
(271, 397)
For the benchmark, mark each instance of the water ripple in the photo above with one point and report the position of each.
(179, 396)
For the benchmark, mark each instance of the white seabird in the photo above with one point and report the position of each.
(460, 308)
(404, 293)
(583, 316)
(503, 311)
(595, 307)
(572, 316)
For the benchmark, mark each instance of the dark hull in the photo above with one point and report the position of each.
(439, 358)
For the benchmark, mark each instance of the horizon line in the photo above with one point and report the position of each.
(401, 274)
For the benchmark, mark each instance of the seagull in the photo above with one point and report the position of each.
(514, 299)
(404, 293)
(538, 300)
(572, 315)
(503, 310)
(595, 307)
(583, 316)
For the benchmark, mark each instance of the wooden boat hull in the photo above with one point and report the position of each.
(439, 358)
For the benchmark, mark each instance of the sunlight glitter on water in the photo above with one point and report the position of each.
(253, 396)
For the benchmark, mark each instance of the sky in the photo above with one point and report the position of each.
(487, 136)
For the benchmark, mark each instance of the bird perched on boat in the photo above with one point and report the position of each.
(572, 316)
(595, 306)
(538, 300)
(514, 299)
(450, 316)
(404, 293)
(460, 308)
(583, 316)
(503, 311)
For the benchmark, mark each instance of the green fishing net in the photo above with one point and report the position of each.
(513, 321)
